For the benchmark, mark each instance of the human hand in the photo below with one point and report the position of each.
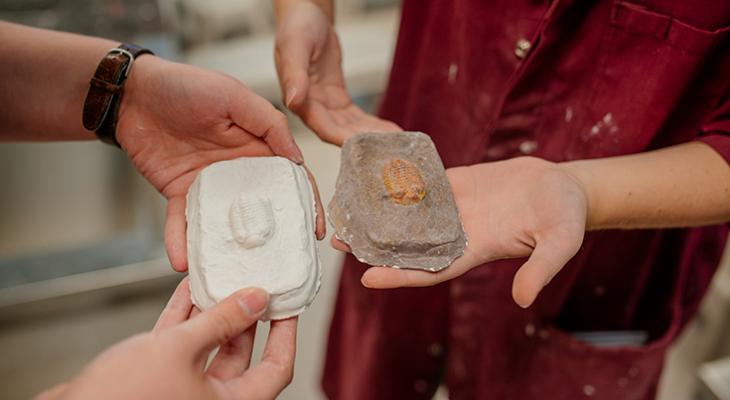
(515, 208)
(176, 119)
(168, 363)
(309, 65)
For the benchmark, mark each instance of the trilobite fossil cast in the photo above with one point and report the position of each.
(404, 182)
(393, 203)
(252, 220)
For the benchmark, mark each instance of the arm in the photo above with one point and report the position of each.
(173, 119)
(680, 186)
(327, 6)
(173, 356)
(309, 65)
(44, 81)
(528, 207)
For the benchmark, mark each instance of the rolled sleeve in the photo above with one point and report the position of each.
(715, 132)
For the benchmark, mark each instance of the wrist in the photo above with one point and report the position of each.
(143, 67)
(579, 172)
(137, 93)
(281, 7)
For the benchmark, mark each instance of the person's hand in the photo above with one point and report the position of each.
(176, 119)
(510, 209)
(309, 65)
(169, 362)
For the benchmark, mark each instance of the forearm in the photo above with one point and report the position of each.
(680, 186)
(44, 76)
(328, 6)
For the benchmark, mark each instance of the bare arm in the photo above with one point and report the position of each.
(683, 185)
(173, 120)
(328, 6)
(44, 77)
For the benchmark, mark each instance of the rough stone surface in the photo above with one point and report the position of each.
(393, 204)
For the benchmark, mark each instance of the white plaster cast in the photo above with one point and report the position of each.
(251, 223)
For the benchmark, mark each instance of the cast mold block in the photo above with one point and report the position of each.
(393, 203)
(251, 223)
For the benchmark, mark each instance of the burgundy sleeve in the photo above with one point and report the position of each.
(716, 130)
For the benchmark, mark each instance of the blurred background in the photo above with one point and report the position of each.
(82, 262)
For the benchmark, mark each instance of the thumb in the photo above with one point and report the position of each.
(292, 65)
(548, 258)
(226, 320)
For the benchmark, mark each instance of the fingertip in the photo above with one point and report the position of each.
(290, 95)
(522, 300)
(253, 300)
(179, 266)
(321, 229)
(295, 89)
(371, 279)
(296, 155)
(365, 280)
(337, 244)
(178, 260)
(175, 240)
(524, 291)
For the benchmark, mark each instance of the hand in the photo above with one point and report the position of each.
(176, 119)
(515, 208)
(309, 65)
(168, 363)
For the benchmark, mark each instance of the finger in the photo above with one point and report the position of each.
(178, 308)
(226, 320)
(371, 122)
(338, 244)
(234, 356)
(549, 257)
(320, 228)
(53, 393)
(256, 115)
(323, 122)
(175, 227)
(292, 66)
(275, 371)
(389, 277)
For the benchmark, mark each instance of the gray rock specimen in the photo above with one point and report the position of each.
(393, 204)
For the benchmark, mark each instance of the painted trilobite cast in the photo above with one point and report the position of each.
(252, 220)
(404, 182)
(393, 203)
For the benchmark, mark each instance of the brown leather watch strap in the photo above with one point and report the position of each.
(106, 89)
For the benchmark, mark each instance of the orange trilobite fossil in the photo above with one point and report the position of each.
(403, 181)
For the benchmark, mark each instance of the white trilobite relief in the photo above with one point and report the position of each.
(252, 220)
(250, 223)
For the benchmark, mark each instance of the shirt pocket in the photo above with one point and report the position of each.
(569, 368)
(653, 65)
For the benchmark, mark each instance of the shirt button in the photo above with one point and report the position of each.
(435, 349)
(522, 47)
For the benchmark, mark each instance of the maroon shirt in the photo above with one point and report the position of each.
(602, 78)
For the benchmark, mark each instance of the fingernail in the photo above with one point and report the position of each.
(290, 93)
(298, 156)
(254, 301)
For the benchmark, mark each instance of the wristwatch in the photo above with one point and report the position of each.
(106, 88)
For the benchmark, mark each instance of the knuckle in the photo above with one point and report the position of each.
(224, 327)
